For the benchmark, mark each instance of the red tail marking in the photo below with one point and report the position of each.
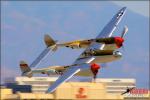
(23, 65)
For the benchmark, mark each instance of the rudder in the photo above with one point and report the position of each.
(25, 69)
(49, 41)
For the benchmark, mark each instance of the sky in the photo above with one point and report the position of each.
(23, 25)
(141, 7)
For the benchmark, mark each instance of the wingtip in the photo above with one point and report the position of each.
(49, 91)
(124, 8)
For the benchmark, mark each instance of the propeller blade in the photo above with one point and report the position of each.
(123, 48)
(104, 65)
(124, 31)
(40, 57)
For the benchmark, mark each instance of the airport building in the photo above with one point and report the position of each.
(102, 89)
(117, 85)
(40, 84)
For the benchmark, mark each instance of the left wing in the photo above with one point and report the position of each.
(50, 43)
(43, 54)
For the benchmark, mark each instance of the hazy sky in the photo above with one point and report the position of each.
(141, 7)
(23, 25)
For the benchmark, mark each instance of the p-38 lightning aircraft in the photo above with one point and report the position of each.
(102, 49)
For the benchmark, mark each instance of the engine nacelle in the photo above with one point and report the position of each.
(98, 52)
(52, 72)
(111, 40)
(102, 53)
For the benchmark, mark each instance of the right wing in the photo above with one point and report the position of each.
(67, 75)
(106, 32)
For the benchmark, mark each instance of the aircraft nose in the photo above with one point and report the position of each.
(117, 54)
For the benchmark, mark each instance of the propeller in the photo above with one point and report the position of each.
(123, 34)
(123, 48)
(95, 68)
(124, 31)
(104, 65)
(119, 40)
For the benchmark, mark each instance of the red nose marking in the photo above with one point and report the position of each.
(119, 41)
(94, 69)
(95, 66)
